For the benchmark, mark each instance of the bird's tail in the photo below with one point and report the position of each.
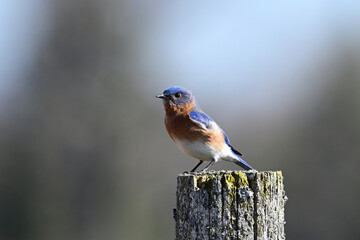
(243, 164)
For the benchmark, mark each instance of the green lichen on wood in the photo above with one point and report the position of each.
(231, 179)
(204, 182)
(241, 179)
(268, 180)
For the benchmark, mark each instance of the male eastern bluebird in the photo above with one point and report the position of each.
(194, 132)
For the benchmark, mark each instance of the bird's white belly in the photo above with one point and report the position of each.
(198, 150)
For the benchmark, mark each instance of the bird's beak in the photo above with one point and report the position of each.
(162, 96)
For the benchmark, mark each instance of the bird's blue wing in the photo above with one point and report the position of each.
(206, 122)
(202, 119)
(241, 162)
(227, 141)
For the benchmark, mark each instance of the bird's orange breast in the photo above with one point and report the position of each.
(181, 127)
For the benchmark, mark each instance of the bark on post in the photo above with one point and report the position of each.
(230, 205)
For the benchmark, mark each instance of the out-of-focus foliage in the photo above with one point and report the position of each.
(84, 153)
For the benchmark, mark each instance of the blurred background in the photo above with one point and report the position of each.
(84, 153)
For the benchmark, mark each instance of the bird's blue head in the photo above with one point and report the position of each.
(177, 96)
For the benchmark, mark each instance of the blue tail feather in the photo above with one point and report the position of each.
(243, 164)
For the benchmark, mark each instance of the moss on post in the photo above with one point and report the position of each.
(230, 205)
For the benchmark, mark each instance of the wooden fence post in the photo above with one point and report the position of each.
(230, 205)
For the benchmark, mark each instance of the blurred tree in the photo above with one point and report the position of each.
(64, 144)
(323, 160)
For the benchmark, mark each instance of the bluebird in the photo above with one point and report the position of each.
(194, 132)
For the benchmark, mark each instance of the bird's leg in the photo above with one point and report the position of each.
(211, 163)
(193, 170)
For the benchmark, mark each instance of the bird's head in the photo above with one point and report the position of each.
(177, 96)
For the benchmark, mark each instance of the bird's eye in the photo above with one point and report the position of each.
(177, 95)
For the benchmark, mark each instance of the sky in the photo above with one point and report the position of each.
(269, 52)
(23, 26)
(267, 56)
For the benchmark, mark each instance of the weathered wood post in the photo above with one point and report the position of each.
(230, 205)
